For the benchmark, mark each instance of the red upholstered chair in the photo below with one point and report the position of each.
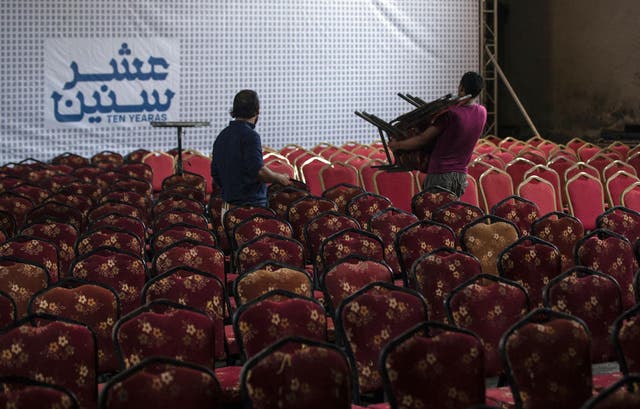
(532, 263)
(471, 194)
(176, 216)
(196, 181)
(608, 252)
(420, 238)
(135, 199)
(575, 144)
(560, 164)
(341, 194)
(176, 201)
(456, 215)
(550, 175)
(623, 394)
(190, 253)
(276, 315)
(337, 173)
(62, 235)
(616, 166)
(162, 164)
(386, 224)
(180, 231)
(279, 199)
(70, 159)
(363, 206)
(35, 250)
(322, 226)
(399, 187)
(426, 202)
(267, 382)
(7, 223)
(199, 164)
(578, 167)
(92, 304)
(587, 151)
(477, 167)
(20, 279)
(259, 281)
(8, 310)
(214, 214)
(350, 242)
(488, 305)
(310, 169)
(593, 297)
(260, 224)
(16, 205)
(35, 193)
(540, 192)
(494, 185)
(137, 170)
(626, 335)
(194, 288)
(106, 158)
(109, 237)
(90, 190)
(280, 164)
(418, 368)
(618, 219)
(518, 210)
(586, 198)
(184, 191)
(112, 207)
(238, 214)
(485, 237)
(631, 196)
(128, 223)
(348, 275)
(368, 320)
(563, 231)
(492, 160)
(269, 247)
(24, 393)
(547, 361)
(162, 383)
(617, 184)
(303, 210)
(435, 274)
(55, 350)
(600, 161)
(124, 272)
(52, 211)
(517, 169)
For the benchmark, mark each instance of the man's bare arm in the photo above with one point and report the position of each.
(266, 175)
(418, 141)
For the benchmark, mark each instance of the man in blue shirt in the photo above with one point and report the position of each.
(237, 165)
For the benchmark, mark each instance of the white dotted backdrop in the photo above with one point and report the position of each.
(313, 63)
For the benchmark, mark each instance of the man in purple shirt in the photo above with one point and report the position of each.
(453, 137)
(237, 165)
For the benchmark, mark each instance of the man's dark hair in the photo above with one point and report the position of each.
(245, 104)
(472, 83)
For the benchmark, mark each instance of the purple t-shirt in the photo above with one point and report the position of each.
(462, 126)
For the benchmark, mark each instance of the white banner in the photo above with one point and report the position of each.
(111, 82)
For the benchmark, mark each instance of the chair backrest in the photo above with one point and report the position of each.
(336, 173)
(20, 279)
(322, 226)
(236, 215)
(350, 242)
(190, 253)
(608, 252)
(363, 206)
(631, 196)
(417, 367)
(111, 237)
(485, 237)
(19, 392)
(517, 169)
(520, 211)
(456, 215)
(162, 164)
(176, 216)
(178, 232)
(310, 170)
(494, 185)
(371, 317)
(592, 296)
(269, 247)
(552, 347)
(260, 224)
(616, 184)
(304, 209)
(471, 194)
(541, 192)
(286, 375)
(279, 199)
(562, 230)
(386, 224)
(258, 281)
(341, 194)
(586, 198)
(424, 203)
(435, 274)
(622, 394)
(532, 263)
(276, 315)
(399, 187)
(621, 220)
(626, 335)
(35, 250)
(487, 305)
(162, 382)
(8, 310)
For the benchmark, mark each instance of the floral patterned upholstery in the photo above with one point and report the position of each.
(16, 205)
(140, 171)
(84, 189)
(279, 200)
(286, 375)
(162, 383)
(269, 247)
(215, 216)
(341, 194)
(193, 254)
(276, 315)
(35, 250)
(24, 393)
(134, 184)
(303, 210)
(114, 207)
(176, 201)
(486, 237)
(532, 263)
(193, 288)
(107, 157)
(621, 220)
(608, 252)
(626, 335)
(456, 215)
(350, 274)
(63, 236)
(547, 361)
(363, 206)
(35, 193)
(186, 178)
(417, 368)
(52, 350)
(563, 231)
(181, 231)
(369, 319)
(487, 305)
(122, 222)
(236, 215)
(56, 212)
(420, 238)
(623, 394)
(179, 216)
(109, 237)
(593, 297)
(183, 192)
(92, 304)
(20, 279)
(520, 211)
(8, 310)
(426, 202)
(132, 198)
(386, 224)
(435, 274)
(257, 282)
(124, 272)
(7, 223)
(75, 201)
(322, 226)
(258, 225)
(350, 242)
(70, 159)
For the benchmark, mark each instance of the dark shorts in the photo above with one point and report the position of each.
(454, 181)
